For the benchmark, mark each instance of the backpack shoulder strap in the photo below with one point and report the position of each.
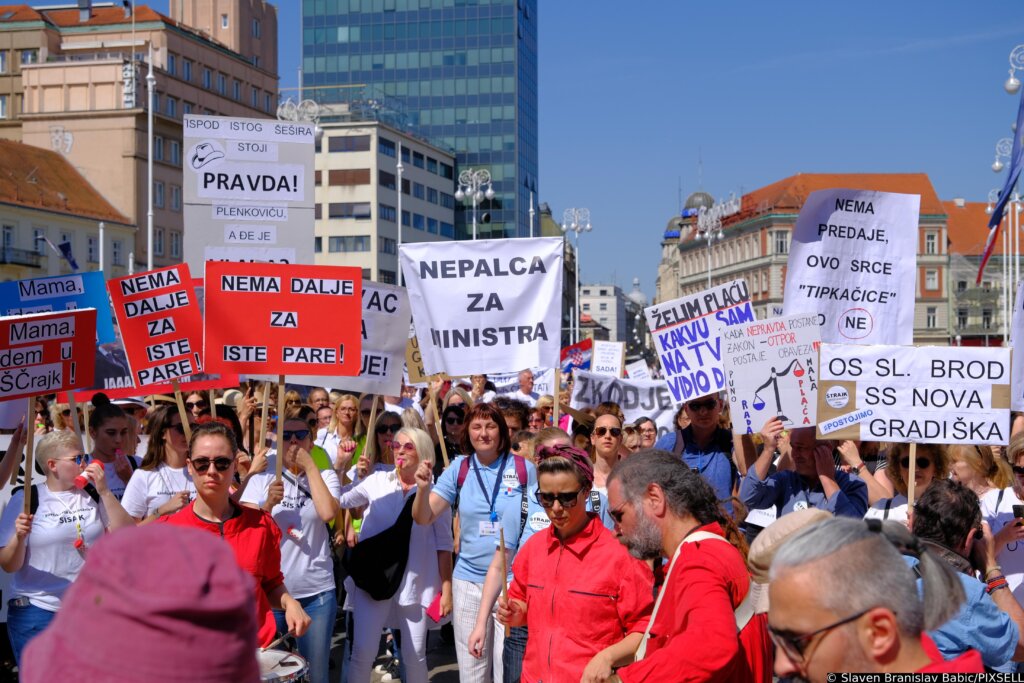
(520, 463)
(888, 505)
(463, 473)
(524, 502)
(133, 463)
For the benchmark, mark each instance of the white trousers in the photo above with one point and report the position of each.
(465, 605)
(371, 616)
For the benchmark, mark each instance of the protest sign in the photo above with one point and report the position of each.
(638, 370)
(1017, 342)
(637, 398)
(771, 369)
(43, 353)
(852, 260)
(283, 319)
(60, 293)
(906, 394)
(506, 383)
(608, 358)
(248, 190)
(414, 363)
(160, 323)
(578, 356)
(485, 306)
(687, 337)
(385, 327)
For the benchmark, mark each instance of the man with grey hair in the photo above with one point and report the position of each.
(843, 599)
(525, 392)
(703, 621)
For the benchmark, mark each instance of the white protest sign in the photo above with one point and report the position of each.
(1017, 342)
(508, 382)
(771, 370)
(906, 394)
(248, 186)
(637, 398)
(386, 318)
(852, 260)
(687, 337)
(487, 305)
(638, 370)
(608, 357)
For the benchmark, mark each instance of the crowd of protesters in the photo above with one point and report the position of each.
(588, 548)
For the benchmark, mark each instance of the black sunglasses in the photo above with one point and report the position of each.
(922, 463)
(697, 406)
(567, 500)
(384, 429)
(614, 431)
(299, 434)
(451, 420)
(1018, 470)
(195, 404)
(220, 464)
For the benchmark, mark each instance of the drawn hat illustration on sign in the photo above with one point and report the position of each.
(204, 153)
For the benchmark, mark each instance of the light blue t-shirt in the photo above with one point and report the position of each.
(476, 551)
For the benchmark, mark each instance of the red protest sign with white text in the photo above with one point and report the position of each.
(160, 322)
(47, 352)
(279, 319)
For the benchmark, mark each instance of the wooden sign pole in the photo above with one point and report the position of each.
(30, 439)
(186, 425)
(281, 445)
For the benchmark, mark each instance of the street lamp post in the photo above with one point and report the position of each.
(709, 229)
(471, 186)
(399, 169)
(577, 220)
(1012, 84)
(150, 93)
(993, 197)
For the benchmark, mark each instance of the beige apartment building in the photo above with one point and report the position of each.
(75, 83)
(357, 199)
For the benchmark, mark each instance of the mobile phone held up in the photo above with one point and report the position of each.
(1018, 514)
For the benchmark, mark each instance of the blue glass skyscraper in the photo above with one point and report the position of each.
(462, 73)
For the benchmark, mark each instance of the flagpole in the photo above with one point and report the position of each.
(150, 92)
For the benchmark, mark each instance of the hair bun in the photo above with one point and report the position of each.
(99, 399)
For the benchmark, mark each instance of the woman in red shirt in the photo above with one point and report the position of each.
(576, 588)
(252, 534)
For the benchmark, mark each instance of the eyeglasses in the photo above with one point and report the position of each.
(67, 412)
(80, 459)
(397, 447)
(648, 432)
(568, 500)
(617, 513)
(1018, 470)
(384, 429)
(922, 463)
(192, 405)
(452, 420)
(795, 646)
(180, 428)
(298, 434)
(614, 431)
(293, 402)
(202, 465)
(350, 409)
(697, 406)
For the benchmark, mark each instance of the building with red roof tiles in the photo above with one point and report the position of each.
(754, 245)
(43, 197)
(75, 83)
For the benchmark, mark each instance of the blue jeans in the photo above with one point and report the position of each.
(512, 655)
(315, 645)
(24, 624)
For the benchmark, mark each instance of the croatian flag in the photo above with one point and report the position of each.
(1016, 161)
(577, 356)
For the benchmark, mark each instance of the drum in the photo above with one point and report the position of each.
(279, 666)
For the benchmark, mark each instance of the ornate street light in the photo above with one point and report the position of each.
(471, 186)
(577, 220)
(1012, 85)
(709, 229)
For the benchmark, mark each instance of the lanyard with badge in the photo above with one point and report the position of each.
(74, 515)
(490, 526)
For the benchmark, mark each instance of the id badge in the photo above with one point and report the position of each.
(488, 529)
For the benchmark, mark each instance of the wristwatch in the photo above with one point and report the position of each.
(857, 468)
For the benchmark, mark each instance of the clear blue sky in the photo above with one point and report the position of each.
(632, 92)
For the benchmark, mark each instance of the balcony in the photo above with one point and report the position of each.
(19, 257)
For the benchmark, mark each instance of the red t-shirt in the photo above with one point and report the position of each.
(694, 633)
(581, 596)
(967, 663)
(256, 540)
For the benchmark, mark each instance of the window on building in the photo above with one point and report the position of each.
(38, 243)
(348, 176)
(222, 84)
(30, 56)
(358, 211)
(385, 179)
(348, 243)
(603, 307)
(986, 318)
(406, 218)
(782, 242)
(986, 286)
(186, 69)
(158, 194)
(223, 21)
(172, 65)
(961, 286)
(432, 195)
(254, 97)
(432, 226)
(172, 107)
(432, 165)
(419, 222)
(447, 230)
(386, 213)
(175, 197)
(931, 243)
(586, 308)
(929, 317)
(207, 78)
(318, 245)
(175, 244)
(117, 252)
(256, 63)
(386, 147)
(447, 200)
(93, 249)
(267, 101)
(8, 236)
(386, 245)
(386, 277)
(418, 191)
(255, 28)
(158, 148)
(418, 160)
(447, 171)
(961, 317)
(236, 90)
(349, 143)
(175, 148)
(931, 279)
(186, 107)
(406, 155)
(3, 61)
(604, 292)
(318, 211)
(3, 106)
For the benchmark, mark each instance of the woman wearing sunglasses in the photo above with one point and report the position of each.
(606, 440)
(251, 533)
(196, 403)
(162, 485)
(301, 505)
(46, 550)
(576, 588)
(384, 495)
(932, 464)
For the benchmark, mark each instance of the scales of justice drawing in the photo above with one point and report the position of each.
(796, 369)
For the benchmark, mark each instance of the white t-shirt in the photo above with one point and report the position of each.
(997, 510)
(114, 482)
(149, 489)
(305, 549)
(329, 442)
(353, 476)
(381, 493)
(529, 399)
(51, 560)
(889, 509)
